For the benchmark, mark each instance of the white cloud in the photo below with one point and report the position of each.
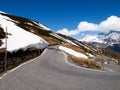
(85, 26)
(67, 32)
(111, 23)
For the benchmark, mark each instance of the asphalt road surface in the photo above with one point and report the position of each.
(51, 72)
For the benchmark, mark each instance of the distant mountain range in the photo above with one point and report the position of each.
(110, 40)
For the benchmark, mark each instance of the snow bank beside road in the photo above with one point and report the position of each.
(72, 52)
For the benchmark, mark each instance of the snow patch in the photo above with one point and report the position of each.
(19, 38)
(72, 52)
(57, 36)
(71, 42)
(90, 55)
(40, 25)
(30, 24)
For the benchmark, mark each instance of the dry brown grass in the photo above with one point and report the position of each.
(1, 42)
(51, 40)
(2, 50)
(85, 62)
(100, 60)
(81, 61)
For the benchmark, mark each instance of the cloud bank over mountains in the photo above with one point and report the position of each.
(111, 23)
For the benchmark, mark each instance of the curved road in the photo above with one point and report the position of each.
(51, 72)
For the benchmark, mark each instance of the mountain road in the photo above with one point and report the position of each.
(51, 72)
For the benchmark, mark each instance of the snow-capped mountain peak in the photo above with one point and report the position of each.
(111, 37)
(110, 40)
(92, 38)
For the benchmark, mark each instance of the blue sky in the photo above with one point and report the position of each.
(60, 14)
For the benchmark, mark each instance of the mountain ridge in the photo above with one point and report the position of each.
(40, 37)
(110, 40)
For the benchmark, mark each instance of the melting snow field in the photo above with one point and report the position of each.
(19, 38)
(72, 52)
